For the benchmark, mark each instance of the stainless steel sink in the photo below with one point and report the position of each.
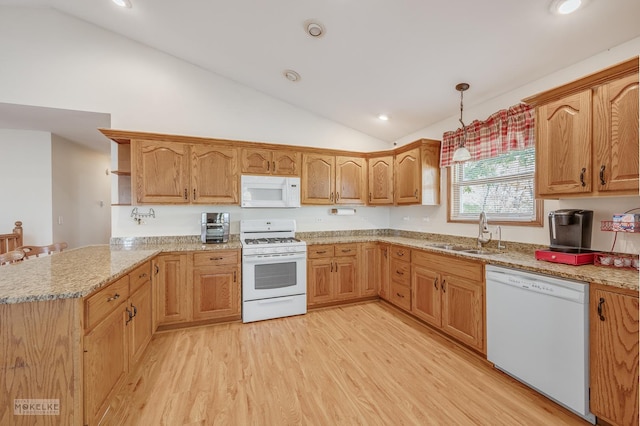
(443, 246)
(477, 251)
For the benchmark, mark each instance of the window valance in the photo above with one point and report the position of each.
(506, 130)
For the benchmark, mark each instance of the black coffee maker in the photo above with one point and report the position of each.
(570, 230)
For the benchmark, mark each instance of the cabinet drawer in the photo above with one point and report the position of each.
(215, 257)
(101, 304)
(139, 276)
(346, 250)
(469, 269)
(319, 251)
(401, 295)
(400, 271)
(401, 253)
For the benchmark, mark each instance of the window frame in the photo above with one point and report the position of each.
(537, 221)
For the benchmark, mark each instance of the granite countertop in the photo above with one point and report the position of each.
(519, 258)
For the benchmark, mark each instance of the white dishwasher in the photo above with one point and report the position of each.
(538, 333)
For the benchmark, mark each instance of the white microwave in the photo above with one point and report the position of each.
(269, 191)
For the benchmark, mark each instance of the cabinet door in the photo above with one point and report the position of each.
(383, 259)
(345, 272)
(216, 292)
(173, 296)
(161, 172)
(140, 326)
(426, 299)
(318, 179)
(615, 136)
(106, 358)
(408, 177)
(214, 172)
(285, 163)
(351, 180)
(256, 161)
(463, 310)
(369, 270)
(430, 184)
(563, 145)
(319, 286)
(614, 357)
(381, 180)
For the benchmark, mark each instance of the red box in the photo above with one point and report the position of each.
(566, 258)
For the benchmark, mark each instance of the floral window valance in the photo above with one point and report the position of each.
(506, 130)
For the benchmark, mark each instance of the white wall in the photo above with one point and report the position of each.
(81, 194)
(26, 195)
(53, 60)
(434, 219)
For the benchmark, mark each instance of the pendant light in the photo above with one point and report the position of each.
(462, 154)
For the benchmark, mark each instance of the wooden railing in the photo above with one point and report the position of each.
(9, 242)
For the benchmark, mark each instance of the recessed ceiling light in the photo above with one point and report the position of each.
(314, 28)
(565, 7)
(123, 3)
(291, 75)
(383, 117)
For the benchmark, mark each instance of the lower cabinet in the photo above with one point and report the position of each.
(197, 286)
(118, 327)
(383, 270)
(400, 277)
(448, 293)
(369, 277)
(332, 273)
(613, 319)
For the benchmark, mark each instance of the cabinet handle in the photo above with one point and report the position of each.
(144, 274)
(399, 272)
(129, 314)
(600, 303)
(268, 165)
(384, 253)
(185, 194)
(415, 194)
(369, 196)
(194, 194)
(582, 177)
(435, 283)
(135, 310)
(331, 197)
(157, 269)
(274, 166)
(321, 252)
(400, 253)
(400, 295)
(331, 264)
(337, 196)
(444, 286)
(602, 181)
(346, 250)
(215, 258)
(114, 297)
(234, 276)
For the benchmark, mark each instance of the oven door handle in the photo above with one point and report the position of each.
(266, 258)
(275, 300)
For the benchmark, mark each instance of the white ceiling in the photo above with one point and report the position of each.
(400, 57)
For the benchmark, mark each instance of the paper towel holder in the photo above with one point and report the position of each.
(342, 212)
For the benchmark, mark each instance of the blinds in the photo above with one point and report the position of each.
(502, 187)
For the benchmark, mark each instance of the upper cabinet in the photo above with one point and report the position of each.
(258, 161)
(417, 174)
(328, 179)
(587, 135)
(380, 174)
(178, 173)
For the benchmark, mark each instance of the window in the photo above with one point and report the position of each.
(502, 187)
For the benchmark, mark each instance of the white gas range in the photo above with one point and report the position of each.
(274, 270)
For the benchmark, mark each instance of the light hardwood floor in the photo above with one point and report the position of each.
(363, 364)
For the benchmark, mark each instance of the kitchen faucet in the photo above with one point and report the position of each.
(483, 228)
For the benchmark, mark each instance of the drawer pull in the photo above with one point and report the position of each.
(346, 250)
(321, 252)
(400, 295)
(144, 274)
(399, 272)
(215, 258)
(400, 253)
(114, 297)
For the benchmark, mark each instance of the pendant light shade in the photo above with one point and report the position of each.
(461, 153)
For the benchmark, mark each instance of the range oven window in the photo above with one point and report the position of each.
(275, 275)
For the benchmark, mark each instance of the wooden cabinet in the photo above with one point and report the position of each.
(170, 277)
(216, 285)
(257, 161)
(615, 136)
(118, 326)
(417, 174)
(198, 286)
(369, 276)
(166, 172)
(380, 175)
(587, 135)
(383, 258)
(400, 277)
(328, 179)
(448, 293)
(332, 273)
(613, 318)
